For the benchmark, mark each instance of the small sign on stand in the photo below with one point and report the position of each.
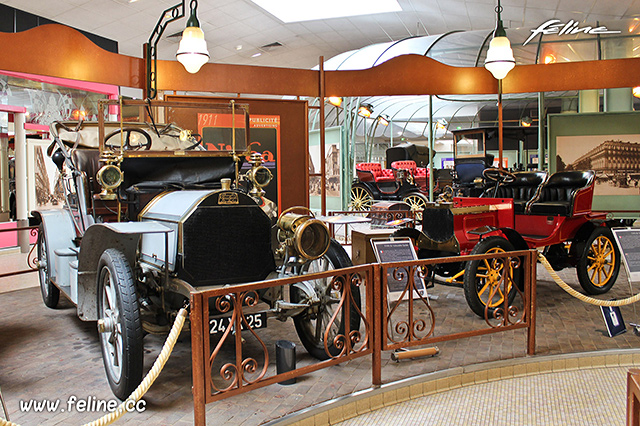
(628, 240)
(398, 250)
(613, 319)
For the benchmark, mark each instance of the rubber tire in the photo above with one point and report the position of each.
(358, 187)
(50, 293)
(470, 282)
(305, 322)
(584, 263)
(115, 264)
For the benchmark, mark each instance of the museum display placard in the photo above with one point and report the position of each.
(398, 250)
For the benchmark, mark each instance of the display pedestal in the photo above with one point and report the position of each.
(361, 249)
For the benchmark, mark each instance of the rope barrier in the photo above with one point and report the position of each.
(146, 383)
(580, 296)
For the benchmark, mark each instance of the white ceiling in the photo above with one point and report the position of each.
(231, 23)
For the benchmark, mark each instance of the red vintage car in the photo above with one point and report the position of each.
(523, 210)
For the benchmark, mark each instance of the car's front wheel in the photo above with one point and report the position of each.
(119, 324)
(484, 286)
(50, 293)
(315, 323)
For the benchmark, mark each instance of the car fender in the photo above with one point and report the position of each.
(99, 237)
(59, 233)
(515, 238)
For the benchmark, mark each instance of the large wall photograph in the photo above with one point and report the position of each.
(614, 158)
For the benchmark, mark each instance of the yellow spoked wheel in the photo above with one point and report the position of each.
(417, 202)
(484, 280)
(599, 262)
(361, 198)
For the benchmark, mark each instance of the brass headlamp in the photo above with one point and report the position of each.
(109, 176)
(306, 235)
(259, 175)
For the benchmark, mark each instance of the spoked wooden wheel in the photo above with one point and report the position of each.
(599, 263)
(361, 198)
(483, 279)
(417, 202)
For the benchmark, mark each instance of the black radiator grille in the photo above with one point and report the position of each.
(226, 245)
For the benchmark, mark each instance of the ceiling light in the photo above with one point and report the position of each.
(239, 47)
(636, 91)
(383, 119)
(193, 53)
(549, 59)
(526, 121)
(365, 110)
(499, 59)
(335, 100)
(305, 10)
(255, 55)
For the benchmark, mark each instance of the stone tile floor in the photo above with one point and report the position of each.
(51, 355)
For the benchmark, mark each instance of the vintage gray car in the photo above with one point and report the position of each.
(150, 215)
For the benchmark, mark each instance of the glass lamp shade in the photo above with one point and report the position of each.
(192, 52)
(500, 57)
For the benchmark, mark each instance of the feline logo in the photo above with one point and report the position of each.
(555, 26)
(228, 198)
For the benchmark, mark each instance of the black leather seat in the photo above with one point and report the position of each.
(88, 161)
(558, 193)
(524, 190)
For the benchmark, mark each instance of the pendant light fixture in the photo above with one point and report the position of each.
(499, 59)
(192, 52)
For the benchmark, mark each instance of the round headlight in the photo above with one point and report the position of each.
(261, 176)
(109, 176)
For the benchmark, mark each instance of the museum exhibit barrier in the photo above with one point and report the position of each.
(386, 322)
(32, 257)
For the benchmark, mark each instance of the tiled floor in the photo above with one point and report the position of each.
(579, 397)
(50, 354)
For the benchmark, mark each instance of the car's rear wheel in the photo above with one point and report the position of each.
(361, 198)
(483, 284)
(50, 293)
(119, 324)
(312, 324)
(599, 262)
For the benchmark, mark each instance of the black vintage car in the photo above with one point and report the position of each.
(406, 179)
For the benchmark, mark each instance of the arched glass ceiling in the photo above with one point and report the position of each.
(468, 48)
(409, 114)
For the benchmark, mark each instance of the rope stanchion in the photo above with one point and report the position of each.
(580, 296)
(146, 383)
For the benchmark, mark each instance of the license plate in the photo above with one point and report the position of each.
(255, 320)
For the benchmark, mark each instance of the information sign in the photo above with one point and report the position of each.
(398, 250)
(628, 240)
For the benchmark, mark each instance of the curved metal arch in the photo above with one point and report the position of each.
(390, 47)
(440, 38)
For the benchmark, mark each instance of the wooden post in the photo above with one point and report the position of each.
(377, 332)
(197, 360)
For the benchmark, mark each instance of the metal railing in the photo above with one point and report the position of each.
(245, 373)
(32, 259)
(385, 324)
